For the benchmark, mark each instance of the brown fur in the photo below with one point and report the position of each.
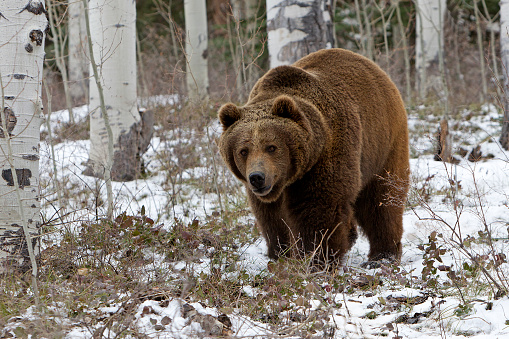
(321, 146)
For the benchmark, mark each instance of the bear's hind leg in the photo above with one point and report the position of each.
(379, 211)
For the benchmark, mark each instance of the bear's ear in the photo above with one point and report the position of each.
(286, 107)
(228, 115)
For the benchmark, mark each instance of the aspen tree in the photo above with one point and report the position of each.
(297, 28)
(22, 37)
(196, 49)
(78, 62)
(120, 134)
(429, 44)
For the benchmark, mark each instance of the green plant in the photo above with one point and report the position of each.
(432, 255)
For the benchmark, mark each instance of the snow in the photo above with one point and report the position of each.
(458, 201)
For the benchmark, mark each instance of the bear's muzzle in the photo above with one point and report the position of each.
(258, 183)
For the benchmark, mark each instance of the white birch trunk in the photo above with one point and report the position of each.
(113, 36)
(297, 28)
(429, 43)
(22, 27)
(504, 51)
(197, 76)
(78, 62)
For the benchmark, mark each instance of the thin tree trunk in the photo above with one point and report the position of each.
(406, 55)
(252, 34)
(142, 80)
(22, 27)
(457, 63)
(363, 38)
(480, 40)
(442, 87)
(494, 69)
(234, 51)
(297, 28)
(369, 36)
(78, 62)
(504, 52)
(58, 44)
(242, 37)
(429, 44)
(173, 31)
(196, 50)
(381, 9)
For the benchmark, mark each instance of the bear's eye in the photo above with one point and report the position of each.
(271, 149)
(243, 152)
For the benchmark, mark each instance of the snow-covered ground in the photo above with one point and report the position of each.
(457, 215)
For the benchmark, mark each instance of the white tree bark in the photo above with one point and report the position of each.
(78, 62)
(297, 28)
(113, 36)
(429, 43)
(22, 27)
(197, 77)
(504, 51)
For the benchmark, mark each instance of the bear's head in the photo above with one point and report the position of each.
(267, 145)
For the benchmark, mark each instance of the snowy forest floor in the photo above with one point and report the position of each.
(183, 259)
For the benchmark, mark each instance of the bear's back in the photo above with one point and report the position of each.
(334, 80)
(351, 78)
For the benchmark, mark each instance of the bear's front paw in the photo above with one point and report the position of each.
(372, 264)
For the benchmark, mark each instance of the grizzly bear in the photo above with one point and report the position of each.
(321, 146)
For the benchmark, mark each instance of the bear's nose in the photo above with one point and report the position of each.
(257, 179)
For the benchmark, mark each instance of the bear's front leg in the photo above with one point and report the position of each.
(271, 223)
(324, 229)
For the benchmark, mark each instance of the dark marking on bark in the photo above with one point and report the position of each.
(34, 7)
(9, 97)
(14, 243)
(32, 157)
(33, 206)
(119, 25)
(23, 174)
(127, 162)
(19, 76)
(319, 32)
(10, 120)
(205, 54)
(29, 48)
(36, 36)
(2, 16)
